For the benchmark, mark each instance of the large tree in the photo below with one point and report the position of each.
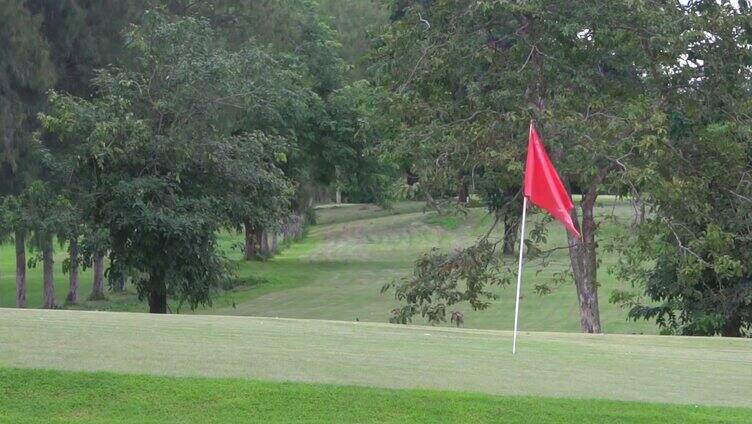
(468, 78)
(691, 257)
(161, 147)
(26, 72)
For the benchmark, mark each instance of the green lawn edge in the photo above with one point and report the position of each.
(45, 396)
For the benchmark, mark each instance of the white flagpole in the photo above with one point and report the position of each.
(519, 275)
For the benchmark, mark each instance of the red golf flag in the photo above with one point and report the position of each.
(543, 187)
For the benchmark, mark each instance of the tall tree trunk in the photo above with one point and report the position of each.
(581, 250)
(48, 263)
(158, 299)
(463, 196)
(73, 273)
(20, 269)
(250, 240)
(97, 288)
(639, 207)
(511, 228)
(584, 265)
(732, 327)
(122, 280)
(275, 241)
(338, 196)
(264, 243)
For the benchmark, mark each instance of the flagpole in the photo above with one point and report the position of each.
(519, 274)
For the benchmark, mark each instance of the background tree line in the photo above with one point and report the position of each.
(134, 131)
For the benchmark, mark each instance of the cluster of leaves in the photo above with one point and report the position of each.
(442, 280)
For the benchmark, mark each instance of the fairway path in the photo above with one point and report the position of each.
(337, 272)
(658, 369)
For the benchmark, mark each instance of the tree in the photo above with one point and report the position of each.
(355, 22)
(17, 223)
(84, 36)
(468, 79)
(353, 129)
(691, 255)
(159, 144)
(25, 74)
(46, 215)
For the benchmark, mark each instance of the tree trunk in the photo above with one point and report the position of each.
(73, 273)
(584, 266)
(250, 241)
(122, 280)
(20, 269)
(338, 196)
(431, 202)
(511, 228)
(97, 289)
(639, 208)
(158, 301)
(732, 327)
(264, 243)
(275, 241)
(463, 197)
(48, 263)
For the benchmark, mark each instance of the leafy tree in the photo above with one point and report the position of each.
(160, 147)
(312, 50)
(467, 78)
(84, 36)
(47, 217)
(18, 223)
(691, 256)
(25, 74)
(353, 129)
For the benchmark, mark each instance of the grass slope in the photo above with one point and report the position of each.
(57, 397)
(682, 370)
(336, 272)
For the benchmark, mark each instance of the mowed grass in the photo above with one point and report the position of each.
(337, 271)
(32, 396)
(654, 369)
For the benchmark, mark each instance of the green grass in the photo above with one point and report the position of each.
(337, 270)
(659, 369)
(63, 397)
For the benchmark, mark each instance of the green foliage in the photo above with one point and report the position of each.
(25, 74)
(355, 22)
(466, 79)
(692, 255)
(165, 154)
(352, 131)
(445, 279)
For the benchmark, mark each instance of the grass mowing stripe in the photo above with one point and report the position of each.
(36, 396)
(703, 371)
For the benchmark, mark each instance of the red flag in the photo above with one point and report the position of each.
(543, 187)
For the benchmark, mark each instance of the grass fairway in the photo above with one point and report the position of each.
(680, 370)
(62, 397)
(336, 272)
